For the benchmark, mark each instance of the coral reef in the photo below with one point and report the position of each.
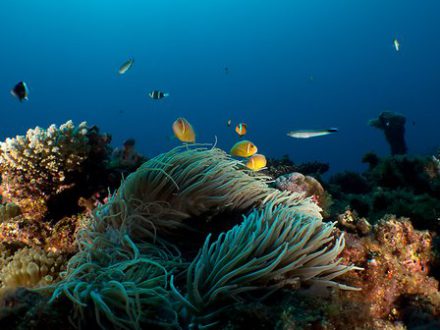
(185, 183)
(9, 211)
(391, 185)
(41, 163)
(31, 268)
(125, 252)
(396, 259)
(110, 281)
(397, 290)
(282, 166)
(307, 186)
(393, 126)
(273, 248)
(193, 239)
(47, 165)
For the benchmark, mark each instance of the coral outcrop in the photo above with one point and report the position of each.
(46, 163)
(31, 268)
(393, 126)
(400, 185)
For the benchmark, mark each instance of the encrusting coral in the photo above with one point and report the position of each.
(21, 232)
(396, 258)
(9, 211)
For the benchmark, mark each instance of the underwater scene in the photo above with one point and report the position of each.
(226, 165)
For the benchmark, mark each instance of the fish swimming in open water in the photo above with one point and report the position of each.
(244, 149)
(241, 129)
(157, 95)
(183, 130)
(396, 45)
(126, 66)
(309, 133)
(20, 91)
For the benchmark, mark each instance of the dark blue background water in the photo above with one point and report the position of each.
(293, 65)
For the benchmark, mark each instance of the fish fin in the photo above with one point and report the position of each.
(166, 94)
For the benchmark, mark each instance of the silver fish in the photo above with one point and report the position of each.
(309, 133)
(126, 66)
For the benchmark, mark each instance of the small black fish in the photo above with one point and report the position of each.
(157, 95)
(20, 91)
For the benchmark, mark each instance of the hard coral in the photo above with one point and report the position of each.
(41, 163)
(32, 268)
(45, 163)
(396, 260)
(21, 231)
(305, 185)
(9, 211)
(393, 126)
(283, 166)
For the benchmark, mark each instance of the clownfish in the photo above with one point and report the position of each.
(241, 129)
(244, 149)
(183, 130)
(256, 162)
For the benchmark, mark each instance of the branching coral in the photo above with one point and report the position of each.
(53, 166)
(39, 164)
(275, 247)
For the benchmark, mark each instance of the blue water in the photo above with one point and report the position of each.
(292, 65)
